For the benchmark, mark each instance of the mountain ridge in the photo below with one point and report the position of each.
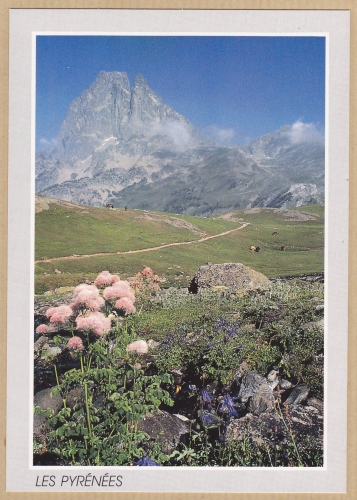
(123, 145)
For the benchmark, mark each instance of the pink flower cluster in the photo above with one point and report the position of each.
(75, 344)
(125, 304)
(122, 293)
(87, 297)
(139, 346)
(94, 322)
(106, 279)
(147, 272)
(145, 281)
(59, 314)
(41, 329)
(87, 303)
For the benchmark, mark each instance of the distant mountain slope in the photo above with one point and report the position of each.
(126, 146)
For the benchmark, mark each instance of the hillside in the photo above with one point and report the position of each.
(79, 241)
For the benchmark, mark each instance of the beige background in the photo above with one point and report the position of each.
(14, 271)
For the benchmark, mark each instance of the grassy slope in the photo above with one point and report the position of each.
(63, 231)
(96, 230)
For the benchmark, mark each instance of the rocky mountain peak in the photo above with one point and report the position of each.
(123, 145)
(140, 81)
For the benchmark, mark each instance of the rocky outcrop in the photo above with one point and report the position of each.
(274, 411)
(46, 400)
(298, 395)
(300, 421)
(235, 277)
(165, 428)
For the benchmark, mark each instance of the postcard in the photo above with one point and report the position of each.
(178, 251)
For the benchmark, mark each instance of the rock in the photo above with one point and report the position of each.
(39, 345)
(237, 277)
(251, 382)
(262, 401)
(270, 428)
(284, 384)
(153, 344)
(314, 324)
(41, 305)
(164, 428)
(306, 421)
(46, 400)
(50, 351)
(273, 378)
(75, 397)
(182, 417)
(44, 374)
(239, 372)
(259, 429)
(298, 395)
(316, 403)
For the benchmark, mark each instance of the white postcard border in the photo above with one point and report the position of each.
(23, 23)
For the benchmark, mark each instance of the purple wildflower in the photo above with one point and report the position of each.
(207, 419)
(206, 396)
(227, 407)
(146, 462)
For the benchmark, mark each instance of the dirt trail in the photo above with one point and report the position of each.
(205, 238)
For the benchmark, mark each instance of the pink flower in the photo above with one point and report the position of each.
(126, 304)
(105, 279)
(75, 343)
(139, 346)
(119, 290)
(50, 311)
(41, 329)
(59, 314)
(148, 272)
(94, 322)
(87, 297)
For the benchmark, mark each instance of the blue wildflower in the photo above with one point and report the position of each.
(222, 440)
(207, 419)
(206, 396)
(146, 462)
(192, 387)
(227, 407)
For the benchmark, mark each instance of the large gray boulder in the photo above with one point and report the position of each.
(234, 276)
(263, 400)
(250, 384)
(164, 428)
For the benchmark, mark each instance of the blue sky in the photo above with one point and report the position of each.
(232, 88)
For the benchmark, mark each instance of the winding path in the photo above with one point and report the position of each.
(102, 254)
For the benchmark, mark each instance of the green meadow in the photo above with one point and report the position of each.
(78, 232)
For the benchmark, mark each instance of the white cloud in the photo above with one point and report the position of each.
(223, 136)
(45, 143)
(305, 132)
(178, 132)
